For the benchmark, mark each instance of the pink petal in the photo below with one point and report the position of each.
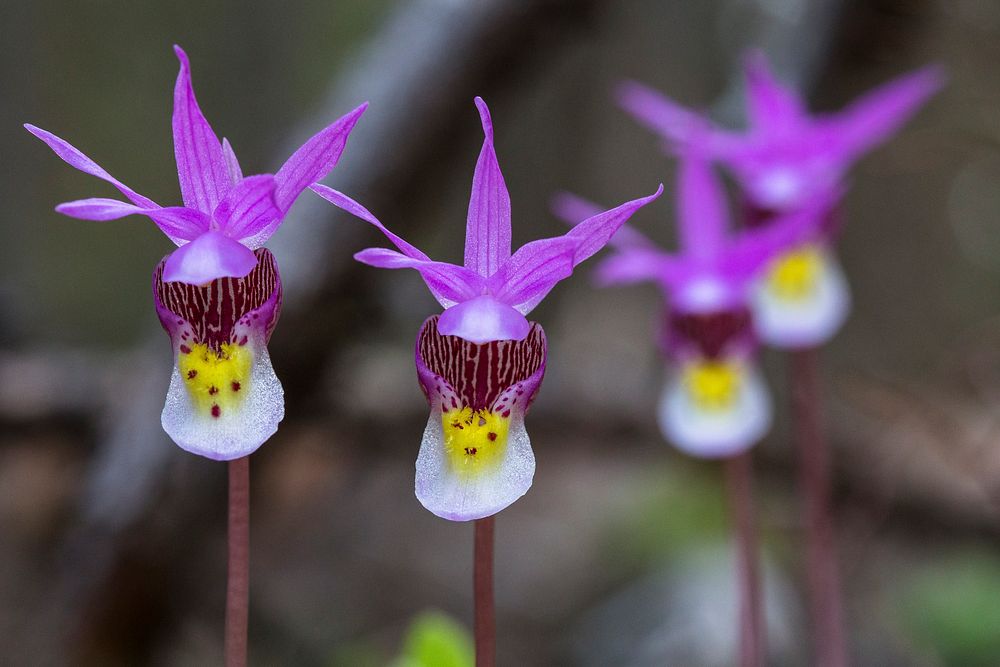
(201, 167)
(448, 283)
(75, 158)
(342, 201)
(315, 159)
(702, 218)
(524, 279)
(209, 257)
(594, 233)
(178, 223)
(879, 114)
(483, 319)
(487, 232)
(634, 265)
(572, 209)
(773, 108)
(232, 164)
(248, 209)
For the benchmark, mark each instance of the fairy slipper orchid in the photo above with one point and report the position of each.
(481, 361)
(218, 294)
(715, 403)
(785, 160)
(225, 216)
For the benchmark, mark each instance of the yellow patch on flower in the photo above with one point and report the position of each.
(474, 440)
(217, 381)
(712, 385)
(794, 276)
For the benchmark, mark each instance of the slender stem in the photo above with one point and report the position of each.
(482, 574)
(238, 588)
(739, 478)
(814, 481)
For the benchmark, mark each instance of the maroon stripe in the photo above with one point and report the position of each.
(213, 310)
(480, 373)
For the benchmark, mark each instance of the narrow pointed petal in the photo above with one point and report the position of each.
(248, 209)
(773, 108)
(475, 458)
(178, 223)
(232, 164)
(572, 210)
(531, 272)
(448, 283)
(483, 320)
(209, 257)
(73, 157)
(487, 232)
(201, 167)
(636, 265)
(801, 300)
(224, 398)
(658, 112)
(879, 114)
(701, 214)
(594, 233)
(315, 159)
(342, 201)
(705, 423)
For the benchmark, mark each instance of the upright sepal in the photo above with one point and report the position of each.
(487, 233)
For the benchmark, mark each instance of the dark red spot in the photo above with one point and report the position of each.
(506, 413)
(471, 451)
(185, 349)
(243, 341)
(213, 390)
(492, 436)
(444, 408)
(216, 411)
(180, 322)
(454, 402)
(236, 386)
(192, 374)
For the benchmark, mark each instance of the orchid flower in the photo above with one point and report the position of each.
(218, 294)
(480, 363)
(785, 160)
(715, 403)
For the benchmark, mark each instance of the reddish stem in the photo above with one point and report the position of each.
(482, 574)
(238, 587)
(739, 480)
(814, 486)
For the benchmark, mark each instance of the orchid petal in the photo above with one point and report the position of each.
(209, 257)
(314, 159)
(572, 209)
(593, 233)
(342, 201)
(772, 107)
(78, 160)
(483, 320)
(487, 233)
(634, 265)
(448, 283)
(877, 115)
(201, 167)
(701, 216)
(528, 275)
(178, 223)
(232, 164)
(247, 209)
(489, 385)
(224, 398)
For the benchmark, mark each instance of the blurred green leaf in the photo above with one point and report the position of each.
(953, 609)
(436, 640)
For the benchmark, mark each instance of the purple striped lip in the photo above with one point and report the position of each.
(477, 376)
(214, 310)
(710, 333)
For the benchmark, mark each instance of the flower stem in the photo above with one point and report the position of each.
(814, 481)
(739, 474)
(485, 614)
(238, 587)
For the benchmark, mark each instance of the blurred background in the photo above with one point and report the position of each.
(112, 540)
